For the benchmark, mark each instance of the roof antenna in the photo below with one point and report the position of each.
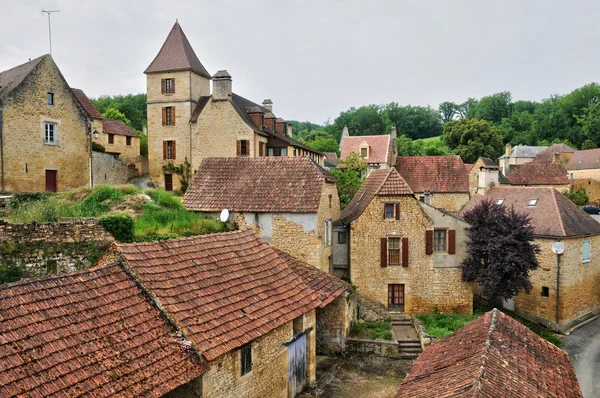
(49, 26)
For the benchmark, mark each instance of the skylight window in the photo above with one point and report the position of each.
(499, 201)
(532, 202)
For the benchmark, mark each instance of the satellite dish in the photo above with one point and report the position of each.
(224, 215)
(558, 248)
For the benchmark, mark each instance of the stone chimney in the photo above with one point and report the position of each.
(506, 163)
(488, 177)
(427, 197)
(268, 104)
(345, 132)
(281, 126)
(508, 150)
(221, 85)
(556, 158)
(288, 129)
(394, 133)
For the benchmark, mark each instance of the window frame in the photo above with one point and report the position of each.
(170, 150)
(437, 247)
(128, 140)
(385, 211)
(50, 98)
(545, 289)
(246, 359)
(54, 129)
(170, 85)
(169, 116)
(394, 252)
(366, 154)
(532, 202)
(589, 246)
(111, 138)
(499, 201)
(244, 148)
(339, 238)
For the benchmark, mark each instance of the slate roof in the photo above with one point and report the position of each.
(112, 126)
(537, 174)
(547, 155)
(177, 54)
(89, 333)
(273, 184)
(584, 160)
(11, 79)
(224, 290)
(86, 103)
(379, 182)
(434, 173)
(380, 148)
(524, 151)
(493, 356)
(553, 215)
(488, 162)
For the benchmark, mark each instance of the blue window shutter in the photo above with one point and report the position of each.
(586, 250)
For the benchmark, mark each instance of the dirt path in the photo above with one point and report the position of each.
(357, 377)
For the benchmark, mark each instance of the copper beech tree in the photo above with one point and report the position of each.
(500, 250)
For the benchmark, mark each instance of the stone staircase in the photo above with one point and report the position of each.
(365, 303)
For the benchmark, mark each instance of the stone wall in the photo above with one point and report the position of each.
(583, 174)
(579, 285)
(108, 170)
(269, 374)
(452, 202)
(26, 156)
(333, 324)
(428, 285)
(379, 348)
(591, 187)
(127, 153)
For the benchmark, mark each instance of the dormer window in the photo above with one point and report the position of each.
(500, 201)
(50, 98)
(364, 150)
(532, 202)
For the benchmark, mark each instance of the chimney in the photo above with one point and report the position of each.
(506, 164)
(508, 150)
(268, 104)
(281, 126)
(394, 133)
(345, 132)
(221, 85)
(487, 178)
(288, 129)
(257, 115)
(556, 158)
(427, 197)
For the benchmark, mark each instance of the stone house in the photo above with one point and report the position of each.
(591, 186)
(556, 153)
(440, 181)
(44, 140)
(377, 151)
(292, 202)
(484, 174)
(584, 164)
(576, 282)
(519, 154)
(493, 356)
(404, 255)
(187, 121)
(533, 174)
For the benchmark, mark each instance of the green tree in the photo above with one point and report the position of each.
(113, 113)
(133, 106)
(349, 177)
(588, 144)
(413, 121)
(447, 111)
(494, 108)
(324, 144)
(463, 109)
(472, 138)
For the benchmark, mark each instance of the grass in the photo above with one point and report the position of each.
(372, 330)
(431, 139)
(161, 216)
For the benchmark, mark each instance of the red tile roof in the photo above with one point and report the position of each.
(331, 157)
(380, 147)
(224, 290)
(90, 333)
(434, 173)
(86, 103)
(493, 356)
(584, 160)
(177, 54)
(112, 126)
(537, 174)
(379, 182)
(553, 214)
(469, 166)
(264, 184)
(547, 155)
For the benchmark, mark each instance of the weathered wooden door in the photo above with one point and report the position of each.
(51, 182)
(396, 297)
(296, 366)
(169, 182)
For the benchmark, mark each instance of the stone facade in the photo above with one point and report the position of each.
(591, 187)
(128, 154)
(26, 155)
(108, 170)
(450, 201)
(431, 282)
(583, 174)
(80, 230)
(579, 281)
(333, 324)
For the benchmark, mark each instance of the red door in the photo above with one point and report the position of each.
(396, 297)
(51, 180)
(169, 182)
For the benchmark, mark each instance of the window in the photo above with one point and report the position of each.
(532, 202)
(341, 238)
(439, 241)
(277, 151)
(50, 134)
(169, 150)
(111, 138)
(364, 152)
(389, 210)
(246, 358)
(168, 116)
(128, 140)
(327, 232)
(242, 148)
(393, 251)
(167, 86)
(298, 325)
(586, 251)
(50, 98)
(499, 201)
(545, 291)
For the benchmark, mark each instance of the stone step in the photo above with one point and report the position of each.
(416, 351)
(401, 323)
(409, 341)
(408, 356)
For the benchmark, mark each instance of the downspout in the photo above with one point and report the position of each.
(1, 149)
(557, 286)
(190, 122)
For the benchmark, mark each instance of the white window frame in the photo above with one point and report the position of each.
(54, 140)
(589, 247)
(532, 202)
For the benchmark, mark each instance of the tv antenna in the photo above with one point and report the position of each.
(49, 26)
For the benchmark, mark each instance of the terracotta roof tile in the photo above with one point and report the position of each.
(224, 290)
(86, 103)
(434, 173)
(493, 356)
(552, 215)
(90, 333)
(263, 184)
(584, 160)
(380, 149)
(113, 126)
(537, 174)
(469, 166)
(379, 182)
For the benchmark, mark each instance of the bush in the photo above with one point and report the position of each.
(120, 226)
(578, 197)
(98, 201)
(9, 274)
(373, 330)
(98, 147)
(442, 325)
(164, 199)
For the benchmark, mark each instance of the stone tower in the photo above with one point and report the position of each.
(175, 80)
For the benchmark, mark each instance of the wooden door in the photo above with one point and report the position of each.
(396, 297)
(51, 180)
(296, 366)
(169, 182)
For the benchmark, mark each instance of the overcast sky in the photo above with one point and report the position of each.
(315, 59)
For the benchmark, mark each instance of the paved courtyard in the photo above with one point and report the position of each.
(583, 346)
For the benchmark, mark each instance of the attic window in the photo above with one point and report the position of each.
(50, 98)
(532, 202)
(499, 201)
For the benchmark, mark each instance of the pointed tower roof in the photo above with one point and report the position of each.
(177, 54)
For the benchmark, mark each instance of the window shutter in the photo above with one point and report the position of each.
(405, 252)
(451, 241)
(397, 211)
(172, 116)
(247, 148)
(164, 150)
(384, 252)
(163, 86)
(164, 116)
(173, 86)
(428, 242)
(173, 152)
(238, 148)
(384, 211)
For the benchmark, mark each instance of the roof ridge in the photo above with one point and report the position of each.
(25, 63)
(389, 171)
(560, 216)
(488, 342)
